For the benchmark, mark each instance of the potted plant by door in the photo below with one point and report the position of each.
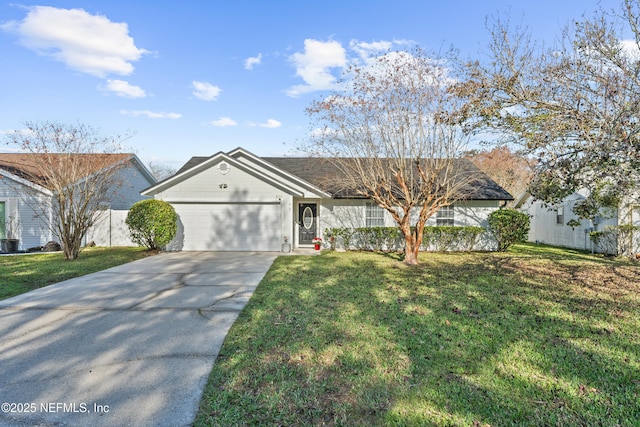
(317, 241)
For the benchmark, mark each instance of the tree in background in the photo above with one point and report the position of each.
(80, 170)
(392, 134)
(161, 171)
(510, 170)
(574, 107)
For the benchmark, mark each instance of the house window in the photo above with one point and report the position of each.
(374, 215)
(3, 221)
(560, 215)
(444, 216)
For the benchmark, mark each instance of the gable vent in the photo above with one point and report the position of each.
(223, 168)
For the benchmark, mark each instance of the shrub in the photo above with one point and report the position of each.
(509, 226)
(439, 238)
(152, 223)
(622, 240)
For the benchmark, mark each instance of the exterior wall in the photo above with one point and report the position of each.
(29, 211)
(130, 181)
(33, 214)
(546, 229)
(236, 187)
(211, 185)
(350, 213)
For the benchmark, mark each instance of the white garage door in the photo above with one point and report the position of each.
(228, 227)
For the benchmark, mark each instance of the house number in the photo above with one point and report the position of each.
(307, 218)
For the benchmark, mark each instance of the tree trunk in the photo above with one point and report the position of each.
(411, 253)
(71, 248)
(411, 245)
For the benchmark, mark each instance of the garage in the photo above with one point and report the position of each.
(228, 226)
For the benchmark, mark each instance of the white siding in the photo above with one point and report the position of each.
(351, 213)
(33, 213)
(210, 185)
(545, 228)
(30, 212)
(130, 181)
(231, 211)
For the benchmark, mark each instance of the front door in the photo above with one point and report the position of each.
(307, 223)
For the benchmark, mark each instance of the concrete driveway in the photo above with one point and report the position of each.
(132, 345)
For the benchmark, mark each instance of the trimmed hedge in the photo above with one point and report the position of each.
(435, 238)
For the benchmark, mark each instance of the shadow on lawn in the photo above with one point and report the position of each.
(516, 348)
(462, 339)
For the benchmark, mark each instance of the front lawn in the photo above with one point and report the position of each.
(23, 273)
(531, 337)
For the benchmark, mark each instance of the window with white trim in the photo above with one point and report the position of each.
(374, 215)
(444, 216)
(560, 215)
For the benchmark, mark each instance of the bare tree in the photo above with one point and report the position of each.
(78, 167)
(575, 106)
(391, 134)
(162, 171)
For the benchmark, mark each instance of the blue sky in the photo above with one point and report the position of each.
(197, 77)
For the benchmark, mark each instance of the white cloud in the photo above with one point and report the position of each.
(271, 124)
(123, 88)
(206, 91)
(630, 48)
(224, 122)
(87, 43)
(151, 114)
(314, 65)
(366, 50)
(251, 62)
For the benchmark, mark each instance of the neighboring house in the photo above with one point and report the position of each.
(557, 225)
(239, 201)
(20, 193)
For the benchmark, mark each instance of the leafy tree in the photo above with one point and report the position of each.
(574, 106)
(152, 223)
(77, 167)
(509, 226)
(390, 132)
(509, 169)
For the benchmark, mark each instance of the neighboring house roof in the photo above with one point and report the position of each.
(321, 173)
(26, 165)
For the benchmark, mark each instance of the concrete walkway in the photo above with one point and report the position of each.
(132, 345)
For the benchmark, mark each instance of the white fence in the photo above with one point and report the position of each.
(110, 229)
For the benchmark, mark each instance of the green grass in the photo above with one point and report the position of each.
(23, 273)
(532, 337)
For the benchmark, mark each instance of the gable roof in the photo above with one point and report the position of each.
(198, 164)
(317, 171)
(26, 165)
